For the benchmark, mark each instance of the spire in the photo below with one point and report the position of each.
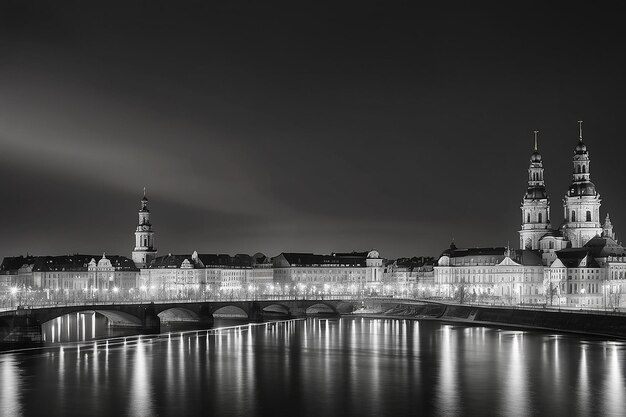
(104, 255)
(580, 130)
(535, 132)
(607, 228)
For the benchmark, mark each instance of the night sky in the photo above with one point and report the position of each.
(298, 126)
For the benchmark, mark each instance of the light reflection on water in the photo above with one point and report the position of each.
(81, 327)
(347, 367)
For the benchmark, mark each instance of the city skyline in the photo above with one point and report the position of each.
(297, 130)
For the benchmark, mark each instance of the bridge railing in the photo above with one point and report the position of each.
(48, 303)
(533, 307)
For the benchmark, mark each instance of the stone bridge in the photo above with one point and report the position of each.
(23, 325)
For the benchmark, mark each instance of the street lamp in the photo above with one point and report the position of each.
(14, 291)
(582, 291)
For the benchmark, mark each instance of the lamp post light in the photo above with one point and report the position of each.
(582, 291)
(14, 291)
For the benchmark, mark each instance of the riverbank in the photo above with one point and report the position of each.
(596, 324)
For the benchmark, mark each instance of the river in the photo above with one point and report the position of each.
(319, 367)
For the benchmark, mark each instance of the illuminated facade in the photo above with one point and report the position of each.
(409, 277)
(354, 272)
(206, 275)
(73, 275)
(490, 275)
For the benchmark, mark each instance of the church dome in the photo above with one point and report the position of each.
(535, 157)
(581, 148)
(581, 189)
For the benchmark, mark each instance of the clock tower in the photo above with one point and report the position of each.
(144, 250)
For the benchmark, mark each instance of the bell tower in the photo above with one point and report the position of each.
(144, 250)
(535, 204)
(581, 205)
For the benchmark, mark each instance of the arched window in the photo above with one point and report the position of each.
(528, 218)
(588, 216)
(573, 216)
(584, 169)
(579, 169)
(539, 218)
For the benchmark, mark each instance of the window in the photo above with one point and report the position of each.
(584, 169)
(528, 218)
(539, 218)
(573, 216)
(579, 169)
(588, 216)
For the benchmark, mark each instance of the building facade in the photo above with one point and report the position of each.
(71, 276)
(200, 276)
(337, 273)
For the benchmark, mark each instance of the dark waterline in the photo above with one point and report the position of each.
(340, 367)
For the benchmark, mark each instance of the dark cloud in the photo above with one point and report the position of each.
(297, 126)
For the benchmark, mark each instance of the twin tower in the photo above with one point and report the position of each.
(581, 206)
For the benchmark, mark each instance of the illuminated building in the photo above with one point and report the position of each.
(579, 264)
(351, 272)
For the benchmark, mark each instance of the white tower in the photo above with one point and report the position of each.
(144, 250)
(581, 205)
(535, 205)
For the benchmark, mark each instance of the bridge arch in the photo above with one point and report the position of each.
(178, 314)
(345, 307)
(5, 327)
(277, 308)
(115, 317)
(230, 311)
(321, 308)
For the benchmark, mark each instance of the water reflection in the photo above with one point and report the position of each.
(10, 386)
(141, 390)
(83, 326)
(614, 386)
(343, 367)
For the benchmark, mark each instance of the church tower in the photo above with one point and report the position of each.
(607, 229)
(535, 205)
(144, 250)
(581, 205)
